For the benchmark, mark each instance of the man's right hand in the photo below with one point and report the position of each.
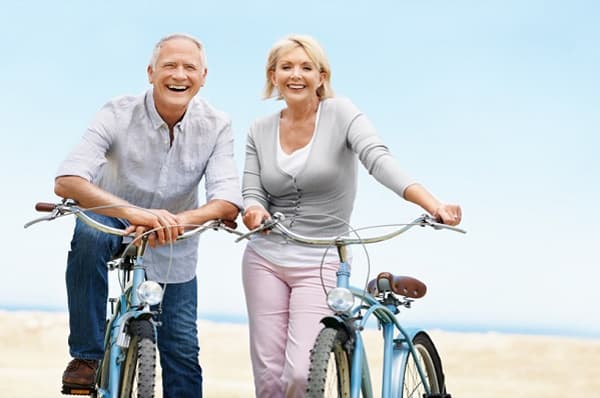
(165, 225)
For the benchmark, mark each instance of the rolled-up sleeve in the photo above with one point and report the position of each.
(87, 158)
(222, 181)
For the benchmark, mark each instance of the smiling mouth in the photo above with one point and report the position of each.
(177, 89)
(296, 86)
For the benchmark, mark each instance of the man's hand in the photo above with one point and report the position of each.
(165, 225)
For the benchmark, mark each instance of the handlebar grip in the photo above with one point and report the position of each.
(45, 207)
(229, 223)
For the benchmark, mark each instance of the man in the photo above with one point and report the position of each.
(147, 155)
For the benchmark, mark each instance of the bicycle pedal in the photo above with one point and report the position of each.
(78, 390)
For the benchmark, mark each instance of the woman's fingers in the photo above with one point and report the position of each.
(449, 214)
(254, 217)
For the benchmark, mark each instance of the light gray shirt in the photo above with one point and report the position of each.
(327, 182)
(126, 151)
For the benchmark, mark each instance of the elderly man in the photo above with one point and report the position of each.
(146, 155)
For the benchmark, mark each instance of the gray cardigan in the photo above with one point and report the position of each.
(327, 183)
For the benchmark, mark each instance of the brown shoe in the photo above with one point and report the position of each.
(80, 373)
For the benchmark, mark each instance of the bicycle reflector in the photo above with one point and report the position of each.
(149, 292)
(340, 299)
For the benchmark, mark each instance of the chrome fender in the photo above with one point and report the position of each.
(400, 353)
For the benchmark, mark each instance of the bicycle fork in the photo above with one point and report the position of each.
(118, 336)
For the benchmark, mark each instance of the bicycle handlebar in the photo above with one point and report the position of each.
(274, 223)
(69, 207)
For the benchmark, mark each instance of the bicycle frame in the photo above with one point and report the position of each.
(394, 349)
(129, 307)
(352, 320)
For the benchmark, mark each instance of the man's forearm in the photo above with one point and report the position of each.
(89, 195)
(213, 210)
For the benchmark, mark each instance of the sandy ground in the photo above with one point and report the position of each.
(33, 354)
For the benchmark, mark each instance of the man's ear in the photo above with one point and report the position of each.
(150, 72)
(203, 78)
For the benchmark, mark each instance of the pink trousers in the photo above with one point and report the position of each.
(285, 306)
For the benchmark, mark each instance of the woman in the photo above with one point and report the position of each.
(302, 162)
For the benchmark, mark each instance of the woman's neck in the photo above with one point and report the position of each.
(300, 111)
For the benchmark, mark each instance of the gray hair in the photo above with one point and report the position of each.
(191, 38)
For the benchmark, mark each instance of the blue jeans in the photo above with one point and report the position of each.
(87, 292)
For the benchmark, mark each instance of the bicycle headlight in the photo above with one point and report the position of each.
(150, 292)
(340, 299)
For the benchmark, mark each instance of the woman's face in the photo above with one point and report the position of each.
(296, 77)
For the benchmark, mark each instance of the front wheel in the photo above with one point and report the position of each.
(329, 374)
(431, 364)
(139, 368)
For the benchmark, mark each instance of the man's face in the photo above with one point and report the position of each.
(177, 75)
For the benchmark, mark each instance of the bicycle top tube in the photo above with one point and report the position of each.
(275, 224)
(70, 208)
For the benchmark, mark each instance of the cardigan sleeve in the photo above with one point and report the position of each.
(372, 152)
(252, 189)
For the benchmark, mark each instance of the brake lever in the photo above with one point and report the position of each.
(40, 219)
(266, 225)
(435, 224)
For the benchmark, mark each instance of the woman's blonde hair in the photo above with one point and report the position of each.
(315, 53)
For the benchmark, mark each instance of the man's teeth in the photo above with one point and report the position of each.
(178, 88)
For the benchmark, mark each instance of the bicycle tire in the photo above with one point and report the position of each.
(103, 371)
(329, 373)
(139, 368)
(431, 363)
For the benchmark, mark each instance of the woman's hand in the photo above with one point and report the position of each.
(448, 214)
(254, 216)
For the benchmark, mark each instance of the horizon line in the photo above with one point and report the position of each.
(447, 326)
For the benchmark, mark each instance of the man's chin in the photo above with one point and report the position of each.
(177, 101)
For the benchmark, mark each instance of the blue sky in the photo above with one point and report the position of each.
(492, 104)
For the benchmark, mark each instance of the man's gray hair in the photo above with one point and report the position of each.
(191, 38)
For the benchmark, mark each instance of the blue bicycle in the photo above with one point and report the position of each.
(129, 365)
(411, 367)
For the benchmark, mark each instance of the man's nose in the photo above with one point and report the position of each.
(179, 73)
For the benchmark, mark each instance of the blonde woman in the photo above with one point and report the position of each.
(302, 161)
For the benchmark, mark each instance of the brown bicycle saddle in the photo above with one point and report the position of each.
(403, 285)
